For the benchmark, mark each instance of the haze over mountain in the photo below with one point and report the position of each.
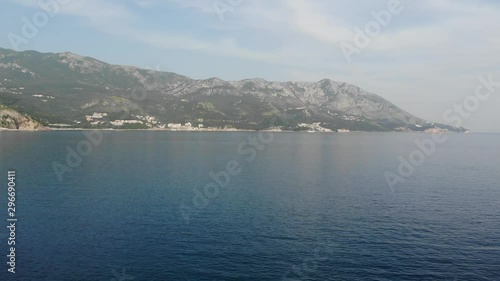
(65, 88)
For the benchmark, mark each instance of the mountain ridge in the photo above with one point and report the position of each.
(66, 88)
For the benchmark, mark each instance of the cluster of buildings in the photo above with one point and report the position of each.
(95, 116)
(186, 126)
(11, 90)
(95, 119)
(40, 95)
(43, 97)
(124, 122)
(148, 119)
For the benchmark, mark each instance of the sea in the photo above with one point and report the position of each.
(157, 205)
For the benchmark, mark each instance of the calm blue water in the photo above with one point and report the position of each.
(308, 207)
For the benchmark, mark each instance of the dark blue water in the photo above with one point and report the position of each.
(303, 207)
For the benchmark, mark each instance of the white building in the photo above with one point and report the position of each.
(123, 122)
(175, 125)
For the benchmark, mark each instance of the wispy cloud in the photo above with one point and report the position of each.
(298, 26)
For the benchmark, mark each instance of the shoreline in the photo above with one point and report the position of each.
(157, 130)
(219, 131)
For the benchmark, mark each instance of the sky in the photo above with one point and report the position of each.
(425, 56)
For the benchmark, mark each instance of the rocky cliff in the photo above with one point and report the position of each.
(13, 120)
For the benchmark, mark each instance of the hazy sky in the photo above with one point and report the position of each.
(424, 56)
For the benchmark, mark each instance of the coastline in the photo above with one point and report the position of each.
(219, 131)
